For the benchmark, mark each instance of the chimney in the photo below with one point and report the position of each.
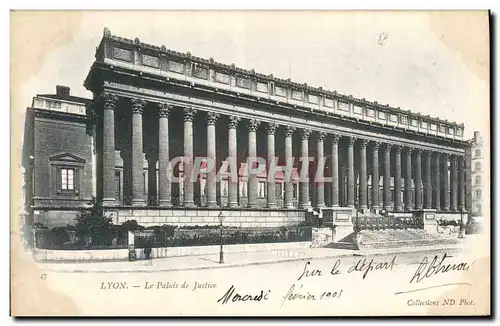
(476, 136)
(62, 90)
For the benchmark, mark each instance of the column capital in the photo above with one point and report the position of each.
(387, 147)
(211, 118)
(233, 122)
(376, 145)
(399, 148)
(336, 138)
(189, 114)
(271, 128)
(408, 150)
(289, 130)
(253, 125)
(363, 143)
(418, 151)
(437, 155)
(138, 105)
(164, 110)
(351, 140)
(305, 133)
(109, 100)
(321, 136)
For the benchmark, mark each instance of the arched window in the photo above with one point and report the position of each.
(478, 193)
(478, 179)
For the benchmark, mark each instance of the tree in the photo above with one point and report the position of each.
(92, 224)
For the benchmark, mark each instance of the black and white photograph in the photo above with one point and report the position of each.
(250, 163)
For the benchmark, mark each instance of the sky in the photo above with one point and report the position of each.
(433, 64)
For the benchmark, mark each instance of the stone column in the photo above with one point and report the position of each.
(320, 186)
(446, 183)
(232, 153)
(363, 196)
(211, 119)
(137, 153)
(289, 130)
(350, 172)
(397, 180)
(418, 179)
(428, 181)
(189, 114)
(437, 182)
(252, 153)
(304, 172)
(408, 190)
(108, 149)
(335, 170)
(461, 181)
(387, 177)
(164, 173)
(454, 184)
(375, 177)
(271, 185)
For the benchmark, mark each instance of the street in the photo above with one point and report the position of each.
(336, 286)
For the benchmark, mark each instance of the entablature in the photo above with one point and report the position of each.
(171, 65)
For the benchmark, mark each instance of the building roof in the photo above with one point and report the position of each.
(270, 77)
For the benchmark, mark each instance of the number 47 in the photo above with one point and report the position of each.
(43, 276)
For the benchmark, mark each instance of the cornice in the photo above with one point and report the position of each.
(250, 73)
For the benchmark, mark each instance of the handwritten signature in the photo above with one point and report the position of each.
(436, 266)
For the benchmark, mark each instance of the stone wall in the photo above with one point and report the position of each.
(122, 254)
(180, 217)
(238, 218)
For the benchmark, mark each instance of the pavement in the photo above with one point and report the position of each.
(231, 260)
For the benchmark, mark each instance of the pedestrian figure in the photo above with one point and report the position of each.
(147, 253)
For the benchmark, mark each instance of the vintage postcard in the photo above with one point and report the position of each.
(250, 163)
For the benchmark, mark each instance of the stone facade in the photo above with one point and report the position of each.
(152, 105)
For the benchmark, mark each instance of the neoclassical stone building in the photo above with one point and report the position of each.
(152, 105)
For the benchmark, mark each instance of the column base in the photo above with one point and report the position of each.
(320, 206)
(109, 202)
(212, 205)
(189, 204)
(272, 205)
(305, 206)
(398, 209)
(252, 205)
(138, 202)
(165, 203)
(233, 205)
(290, 207)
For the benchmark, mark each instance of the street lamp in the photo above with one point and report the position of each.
(221, 253)
(461, 230)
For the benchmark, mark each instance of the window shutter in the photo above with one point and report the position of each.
(76, 182)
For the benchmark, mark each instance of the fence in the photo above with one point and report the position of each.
(175, 237)
(389, 223)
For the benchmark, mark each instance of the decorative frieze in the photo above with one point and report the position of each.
(242, 82)
(200, 72)
(279, 91)
(122, 54)
(357, 110)
(262, 87)
(175, 66)
(221, 78)
(343, 106)
(328, 102)
(150, 61)
(297, 95)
